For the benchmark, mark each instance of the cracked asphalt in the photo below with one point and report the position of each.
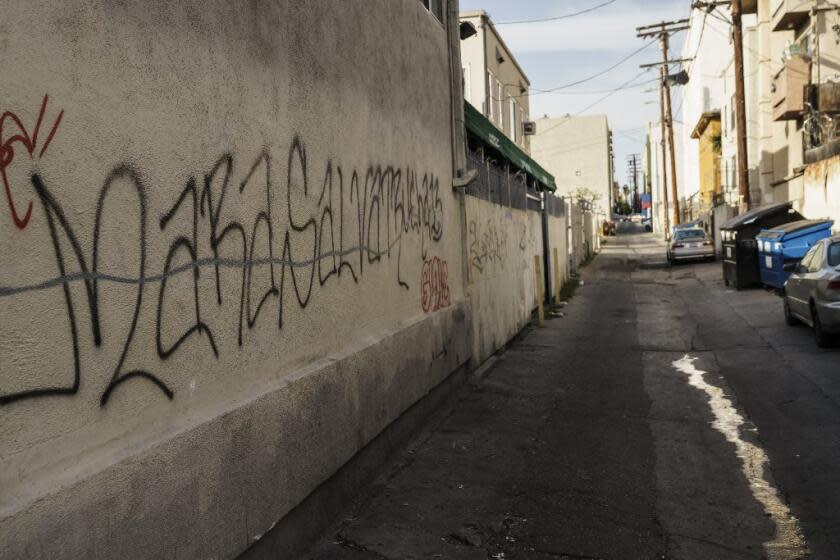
(583, 440)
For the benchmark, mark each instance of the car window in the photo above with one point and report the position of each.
(815, 264)
(834, 254)
(690, 234)
(806, 260)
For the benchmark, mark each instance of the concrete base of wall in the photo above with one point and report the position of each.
(216, 488)
(298, 530)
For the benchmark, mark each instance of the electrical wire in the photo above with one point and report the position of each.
(598, 92)
(600, 99)
(556, 18)
(690, 65)
(599, 74)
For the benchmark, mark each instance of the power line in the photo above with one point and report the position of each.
(556, 18)
(599, 74)
(599, 100)
(597, 92)
(693, 59)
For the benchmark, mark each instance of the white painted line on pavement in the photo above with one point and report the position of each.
(788, 543)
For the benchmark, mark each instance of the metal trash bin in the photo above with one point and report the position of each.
(785, 244)
(740, 249)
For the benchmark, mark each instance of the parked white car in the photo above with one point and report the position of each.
(690, 244)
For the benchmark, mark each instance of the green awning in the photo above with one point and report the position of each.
(484, 130)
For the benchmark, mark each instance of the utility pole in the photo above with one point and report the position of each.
(740, 108)
(633, 172)
(662, 143)
(663, 30)
(670, 123)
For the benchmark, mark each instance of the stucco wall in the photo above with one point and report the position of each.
(821, 193)
(501, 244)
(231, 256)
(576, 151)
(558, 253)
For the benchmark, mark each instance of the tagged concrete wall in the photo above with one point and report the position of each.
(231, 257)
(577, 249)
(501, 289)
(821, 193)
(557, 243)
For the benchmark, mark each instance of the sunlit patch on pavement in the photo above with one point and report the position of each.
(788, 543)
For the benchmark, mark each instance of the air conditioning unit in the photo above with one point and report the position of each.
(529, 128)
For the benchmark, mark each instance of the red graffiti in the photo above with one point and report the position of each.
(29, 143)
(435, 286)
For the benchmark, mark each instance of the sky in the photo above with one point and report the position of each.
(560, 52)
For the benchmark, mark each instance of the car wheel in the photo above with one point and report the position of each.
(820, 336)
(790, 320)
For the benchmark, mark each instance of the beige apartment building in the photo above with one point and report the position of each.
(792, 79)
(494, 83)
(578, 152)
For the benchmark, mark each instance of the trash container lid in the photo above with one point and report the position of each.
(793, 227)
(756, 214)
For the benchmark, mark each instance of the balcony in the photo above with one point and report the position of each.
(825, 98)
(821, 127)
(789, 88)
(790, 14)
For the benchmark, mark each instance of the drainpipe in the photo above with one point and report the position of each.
(546, 251)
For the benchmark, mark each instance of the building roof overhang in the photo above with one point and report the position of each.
(479, 127)
(703, 122)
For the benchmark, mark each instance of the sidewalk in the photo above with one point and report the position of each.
(547, 456)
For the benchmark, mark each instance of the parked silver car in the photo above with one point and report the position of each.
(812, 292)
(690, 243)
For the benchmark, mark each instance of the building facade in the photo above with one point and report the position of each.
(791, 60)
(707, 132)
(494, 83)
(578, 152)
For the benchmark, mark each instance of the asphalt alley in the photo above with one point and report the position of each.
(663, 416)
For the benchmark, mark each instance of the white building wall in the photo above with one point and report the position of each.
(707, 43)
(232, 259)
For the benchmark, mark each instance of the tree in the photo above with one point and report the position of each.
(584, 193)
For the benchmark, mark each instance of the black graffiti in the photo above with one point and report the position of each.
(487, 245)
(353, 221)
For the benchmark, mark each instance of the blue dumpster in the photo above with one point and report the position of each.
(787, 243)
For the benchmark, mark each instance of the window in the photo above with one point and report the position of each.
(816, 261)
(512, 108)
(500, 99)
(834, 254)
(434, 6)
(732, 113)
(690, 234)
(806, 260)
(733, 170)
(465, 82)
(490, 105)
(726, 174)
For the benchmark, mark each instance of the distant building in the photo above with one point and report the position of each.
(709, 53)
(708, 133)
(652, 165)
(494, 83)
(578, 152)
